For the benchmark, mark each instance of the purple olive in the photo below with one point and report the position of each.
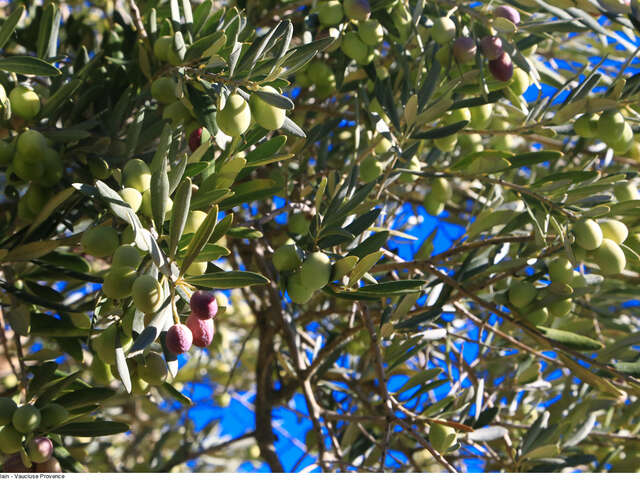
(502, 67)
(464, 49)
(507, 12)
(491, 47)
(179, 339)
(203, 304)
(202, 330)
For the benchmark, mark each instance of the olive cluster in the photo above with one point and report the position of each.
(610, 127)
(595, 241)
(199, 328)
(23, 430)
(30, 159)
(303, 277)
(235, 113)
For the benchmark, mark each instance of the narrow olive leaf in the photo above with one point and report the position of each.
(200, 239)
(487, 434)
(363, 266)
(393, 288)
(221, 228)
(592, 379)
(428, 86)
(275, 99)
(290, 127)
(188, 13)
(206, 46)
(85, 396)
(98, 428)
(160, 194)
(225, 280)
(441, 132)
(583, 431)
(533, 158)
(180, 397)
(58, 99)
(30, 251)
(50, 14)
(372, 244)
(152, 331)
(28, 66)
(419, 379)
(51, 206)
(52, 388)
(570, 339)
(181, 203)
(266, 149)
(121, 364)
(631, 368)
(9, 25)
(133, 132)
(163, 148)
(272, 159)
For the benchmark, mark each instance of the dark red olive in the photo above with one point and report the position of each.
(464, 49)
(491, 47)
(502, 67)
(510, 13)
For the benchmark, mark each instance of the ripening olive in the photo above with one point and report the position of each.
(179, 339)
(357, 9)
(176, 113)
(371, 168)
(126, 256)
(40, 449)
(502, 67)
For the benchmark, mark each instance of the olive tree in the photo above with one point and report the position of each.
(203, 192)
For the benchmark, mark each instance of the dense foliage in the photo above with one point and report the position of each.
(194, 192)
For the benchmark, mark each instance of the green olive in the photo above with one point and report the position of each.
(118, 282)
(164, 90)
(26, 418)
(560, 270)
(610, 258)
(442, 437)
(100, 241)
(443, 30)
(297, 291)
(286, 258)
(521, 293)
(266, 115)
(614, 230)
(136, 174)
(315, 272)
(24, 102)
(588, 234)
(329, 12)
(154, 369)
(146, 293)
(234, 119)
